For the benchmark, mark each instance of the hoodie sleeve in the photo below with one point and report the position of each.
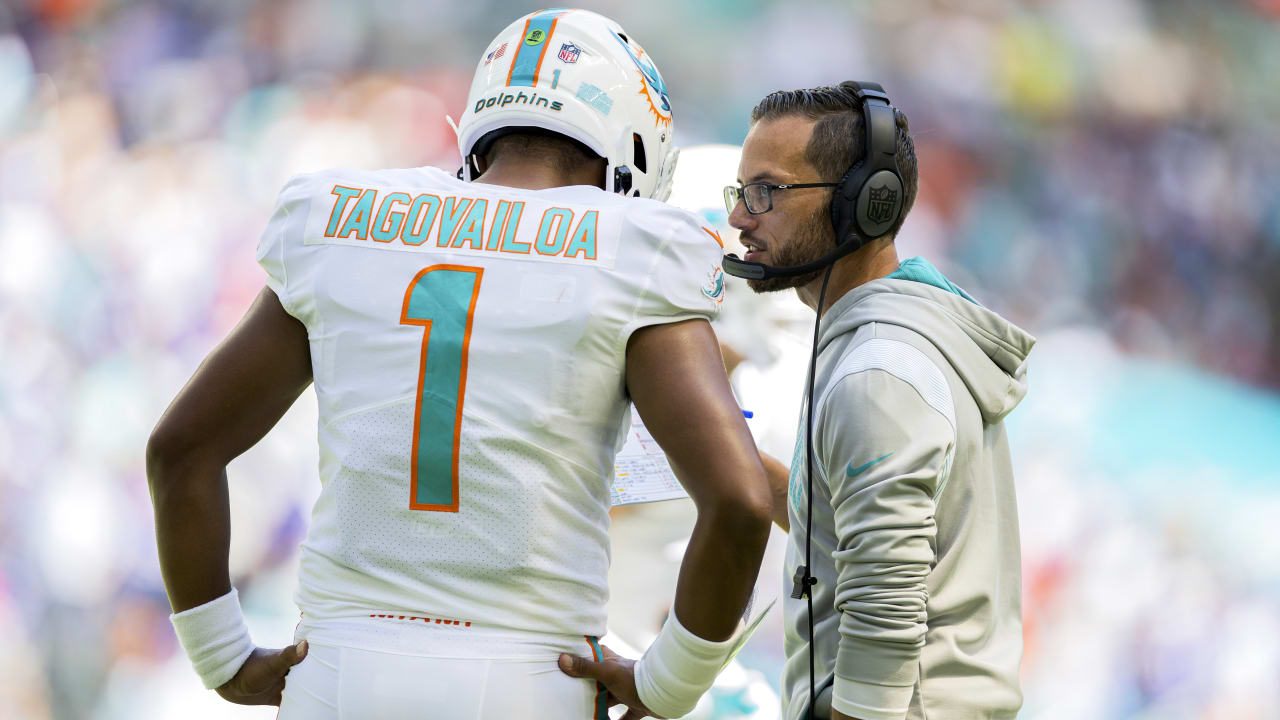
(885, 439)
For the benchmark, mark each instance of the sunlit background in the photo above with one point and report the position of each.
(1106, 173)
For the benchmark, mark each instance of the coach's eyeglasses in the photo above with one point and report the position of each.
(758, 196)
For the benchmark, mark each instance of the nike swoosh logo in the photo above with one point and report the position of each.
(852, 471)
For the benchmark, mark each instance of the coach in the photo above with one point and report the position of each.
(903, 548)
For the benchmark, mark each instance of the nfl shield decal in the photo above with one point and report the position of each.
(569, 53)
(880, 207)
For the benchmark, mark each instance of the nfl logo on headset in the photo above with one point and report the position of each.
(569, 52)
(880, 207)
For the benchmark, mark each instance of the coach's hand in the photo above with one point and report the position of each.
(260, 680)
(616, 673)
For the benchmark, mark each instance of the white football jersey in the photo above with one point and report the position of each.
(468, 350)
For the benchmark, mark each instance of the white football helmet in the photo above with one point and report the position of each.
(578, 74)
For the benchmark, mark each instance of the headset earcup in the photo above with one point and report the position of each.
(844, 204)
(878, 204)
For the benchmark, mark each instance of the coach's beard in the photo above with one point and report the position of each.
(811, 240)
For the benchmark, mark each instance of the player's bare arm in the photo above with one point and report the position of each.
(238, 393)
(676, 378)
(779, 478)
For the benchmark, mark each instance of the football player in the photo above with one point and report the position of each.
(474, 342)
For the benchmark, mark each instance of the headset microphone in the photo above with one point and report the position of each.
(738, 267)
(866, 203)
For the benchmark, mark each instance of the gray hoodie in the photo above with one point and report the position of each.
(917, 607)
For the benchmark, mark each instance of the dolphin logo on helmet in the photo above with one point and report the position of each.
(652, 78)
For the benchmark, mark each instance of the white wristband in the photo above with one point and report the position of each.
(215, 638)
(678, 668)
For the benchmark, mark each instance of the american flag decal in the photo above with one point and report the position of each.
(495, 54)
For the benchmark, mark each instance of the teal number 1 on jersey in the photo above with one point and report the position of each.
(442, 299)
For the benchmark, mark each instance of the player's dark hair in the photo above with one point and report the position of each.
(563, 153)
(839, 135)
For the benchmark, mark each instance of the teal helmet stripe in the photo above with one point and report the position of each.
(528, 59)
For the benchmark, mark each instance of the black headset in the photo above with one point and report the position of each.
(866, 203)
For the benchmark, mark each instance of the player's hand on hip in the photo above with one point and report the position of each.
(616, 673)
(260, 680)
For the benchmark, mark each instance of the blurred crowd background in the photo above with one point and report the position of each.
(1106, 173)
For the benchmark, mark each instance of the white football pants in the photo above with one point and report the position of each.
(343, 683)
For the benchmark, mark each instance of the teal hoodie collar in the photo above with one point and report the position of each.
(920, 270)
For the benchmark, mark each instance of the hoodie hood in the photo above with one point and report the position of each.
(988, 352)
